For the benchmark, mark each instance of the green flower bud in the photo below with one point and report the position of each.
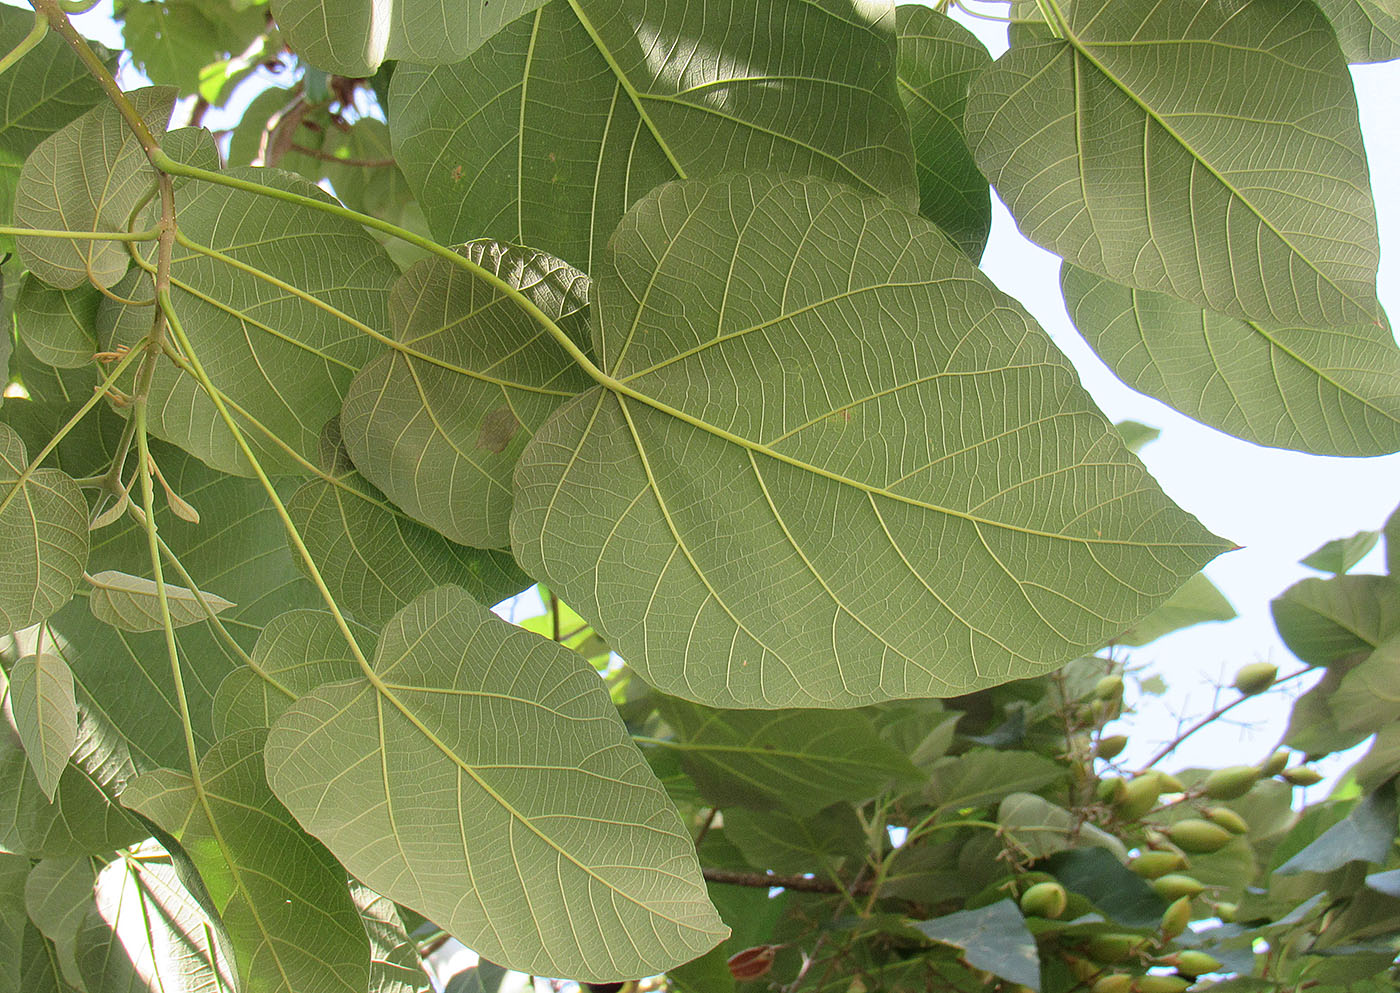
(1115, 947)
(1226, 911)
(1110, 746)
(1302, 775)
(1176, 918)
(1161, 984)
(1227, 819)
(1139, 796)
(1109, 688)
(1114, 982)
(1275, 763)
(1111, 790)
(1193, 963)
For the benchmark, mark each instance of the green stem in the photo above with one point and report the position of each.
(151, 234)
(1054, 17)
(36, 35)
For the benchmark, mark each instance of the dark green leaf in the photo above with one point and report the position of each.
(779, 841)
(1365, 835)
(993, 938)
(983, 776)
(1098, 876)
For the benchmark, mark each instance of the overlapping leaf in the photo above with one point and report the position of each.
(818, 478)
(1330, 391)
(374, 557)
(352, 39)
(484, 779)
(1210, 151)
(395, 966)
(439, 423)
(57, 893)
(549, 132)
(281, 896)
(938, 59)
(45, 714)
(132, 603)
(1199, 601)
(1367, 30)
(1324, 620)
(43, 537)
(59, 326)
(281, 329)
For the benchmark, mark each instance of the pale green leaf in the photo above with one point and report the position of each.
(170, 41)
(57, 894)
(1323, 620)
(40, 969)
(1333, 390)
(1137, 435)
(13, 922)
(90, 176)
(984, 776)
(1367, 30)
(59, 326)
(993, 938)
(43, 537)
(1197, 602)
(46, 715)
(353, 38)
(1210, 151)
(132, 603)
(439, 423)
(1368, 697)
(281, 896)
(1391, 530)
(282, 328)
(145, 932)
(541, 835)
(803, 760)
(938, 59)
(297, 652)
(779, 841)
(654, 92)
(394, 965)
(806, 483)
(1039, 828)
(374, 557)
(1339, 555)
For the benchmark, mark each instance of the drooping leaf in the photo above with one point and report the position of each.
(782, 842)
(132, 603)
(487, 740)
(655, 92)
(802, 760)
(39, 94)
(720, 298)
(281, 896)
(45, 714)
(993, 938)
(375, 558)
(57, 893)
(146, 932)
(282, 328)
(1132, 148)
(1339, 555)
(439, 424)
(938, 59)
(1330, 391)
(59, 326)
(985, 776)
(1322, 620)
(352, 39)
(90, 176)
(43, 537)
(394, 965)
(1367, 30)
(1365, 834)
(297, 652)
(1197, 602)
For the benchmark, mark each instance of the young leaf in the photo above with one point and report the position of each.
(439, 424)
(1323, 620)
(43, 537)
(487, 741)
(46, 715)
(783, 422)
(938, 59)
(1330, 390)
(654, 91)
(132, 603)
(1132, 148)
(281, 896)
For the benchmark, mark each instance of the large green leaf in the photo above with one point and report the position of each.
(45, 714)
(1199, 601)
(1368, 697)
(483, 778)
(439, 423)
(43, 537)
(90, 176)
(1366, 29)
(282, 328)
(352, 38)
(809, 482)
(1366, 833)
(1323, 620)
(654, 91)
(282, 897)
(1207, 150)
(938, 59)
(803, 760)
(992, 938)
(374, 557)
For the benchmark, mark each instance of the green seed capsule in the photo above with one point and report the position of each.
(1301, 775)
(1255, 678)
(1139, 796)
(1109, 688)
(1150, 865)
(1231, 782)
(1176, 918)
(1274, 764)
(1115, 947)
(1114, 982)
(1193, 963)
(1198, 836)
(1161, 984)
(1227, 819)
(1045, 900)
(1110, 746)
(1174, 885)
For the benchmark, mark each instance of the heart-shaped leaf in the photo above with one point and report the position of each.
(46, 715)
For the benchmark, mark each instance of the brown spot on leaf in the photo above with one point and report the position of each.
(497, 428)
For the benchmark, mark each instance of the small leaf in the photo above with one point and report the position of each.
(1137, 435)
(132, 603)
(993, 938)
(1199, 601)
(1339, 555)
(1365, 835)
(394, 965)
(484, 740)
(46, 715)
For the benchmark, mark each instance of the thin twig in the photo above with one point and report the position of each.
(1215, 714)
(331, 157)
(803, 884)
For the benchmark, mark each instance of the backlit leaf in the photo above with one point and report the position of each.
(772, 503)
(485, 741)
(655, 92)
(1323, 620)
(1197, 602)
(132, 603)
(59, 326)
(1366, 29)
(45, 714)
(394, 965)
(57, 894)
(1207, 150)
